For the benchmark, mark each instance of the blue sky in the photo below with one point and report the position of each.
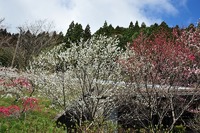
(95, 12)
(188, 12)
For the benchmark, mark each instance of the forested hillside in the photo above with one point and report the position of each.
(18, 48)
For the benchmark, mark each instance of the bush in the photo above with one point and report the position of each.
(179, 129)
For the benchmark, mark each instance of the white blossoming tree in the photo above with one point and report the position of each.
(84, 76)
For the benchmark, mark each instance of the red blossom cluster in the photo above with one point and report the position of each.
(28, 103)
(191, 57)
(9, 111)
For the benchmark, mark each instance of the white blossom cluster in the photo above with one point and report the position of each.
(84, 69)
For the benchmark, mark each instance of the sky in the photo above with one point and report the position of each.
(96, 12)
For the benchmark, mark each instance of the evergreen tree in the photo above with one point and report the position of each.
(105, 30)
(164, 25)
(87, 33)
(149, 30)
(136, 27)
(143, 25)
(105, 25)
(78, 32)
(131, 26)
(74, 33)
(71, 26)
(110, 30)
(119, 30)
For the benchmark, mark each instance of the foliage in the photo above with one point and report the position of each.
(74, 33)
(179, 129)
(106, 30)
(87, 33)
(91, 127)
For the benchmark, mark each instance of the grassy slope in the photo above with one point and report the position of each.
(37, 121)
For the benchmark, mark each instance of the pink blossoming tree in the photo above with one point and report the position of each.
(162, 72)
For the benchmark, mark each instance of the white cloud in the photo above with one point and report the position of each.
(93, 12)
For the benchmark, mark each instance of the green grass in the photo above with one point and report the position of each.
(42, 121)
(37, 121)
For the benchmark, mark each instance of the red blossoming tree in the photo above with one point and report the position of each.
(162, 76)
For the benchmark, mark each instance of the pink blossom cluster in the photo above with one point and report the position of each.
(10, 110)
(29, 103)
(166, 55)
(23, 82)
